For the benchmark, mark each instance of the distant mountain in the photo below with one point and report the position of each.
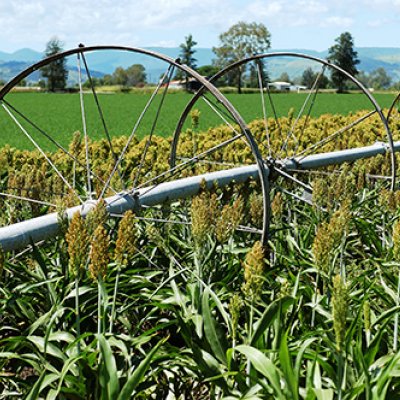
(105, 62)
(20, 55)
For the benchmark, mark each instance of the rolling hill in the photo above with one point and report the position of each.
(105, 62)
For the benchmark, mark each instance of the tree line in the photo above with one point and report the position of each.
(242, 40)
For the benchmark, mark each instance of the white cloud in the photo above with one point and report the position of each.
(30, 23)
(383, 3)
(376, 23)
(262, 10)
(337, 21)
(300, 13)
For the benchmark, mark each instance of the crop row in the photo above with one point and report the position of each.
(181, 302)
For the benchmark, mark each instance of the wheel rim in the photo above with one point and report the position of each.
(135, 182)
(278, 164)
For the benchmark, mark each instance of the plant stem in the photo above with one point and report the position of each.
(396, 317)
(77, 314)
(198, 256)
(315, 301)
(250, 333)
(114, 299)
(340, 374)
(342, 265)
(99, 306)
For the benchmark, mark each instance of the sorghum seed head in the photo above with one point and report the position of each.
(256, 209)
(339, 310)
(322, 246)
(339, 223)
(97, 216)
(195, 117)
(319, 193)
(277, 206)
(77, 238)
(75, 145)
(229, 220)
(253, 271)
(99, 255)
(204, 213)
(125, 246)
(396, 240)
(62, 217)
(388, 200)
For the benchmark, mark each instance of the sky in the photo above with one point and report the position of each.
(293, 24)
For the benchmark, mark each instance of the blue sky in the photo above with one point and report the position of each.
(302, 24)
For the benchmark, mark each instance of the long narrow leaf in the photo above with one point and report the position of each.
(138, 374)
(264, 366)
(211, 331)
(109, 376)
(287, 368)
(269, 316)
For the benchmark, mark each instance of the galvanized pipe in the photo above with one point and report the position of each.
(22, 234)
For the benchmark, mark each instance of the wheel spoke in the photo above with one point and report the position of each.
(15, 197)
(53, 141)
(264, 110)
(329, 138)
(337, 172)
(215, 108)
(101, 115)
(149, 219)
(296, 196)
(394, 107)
(249, 229)
(148, 142)
(293, 179)
(25, 251)
(315, 172)
(311, 95)
(174, 171)
(133, 133)
(85, 135)
(273, 108)
(24, 131)
(178, 168)
(210, 162)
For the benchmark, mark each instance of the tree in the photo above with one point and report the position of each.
(136, 75)
(308, 77)
(380, 79)
(284, 77)
(107, 80)
(364, 78)
(343, 55)
(186, 55)
(239, 41)
(207, 70)
(56, 72)
(120, 77)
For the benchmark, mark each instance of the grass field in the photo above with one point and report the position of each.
(60, 114)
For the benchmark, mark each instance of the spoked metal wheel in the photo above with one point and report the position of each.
(393, 117)
(301, 131)
(87, 148)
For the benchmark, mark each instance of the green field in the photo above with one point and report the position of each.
(181, 300)
(60, 114)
